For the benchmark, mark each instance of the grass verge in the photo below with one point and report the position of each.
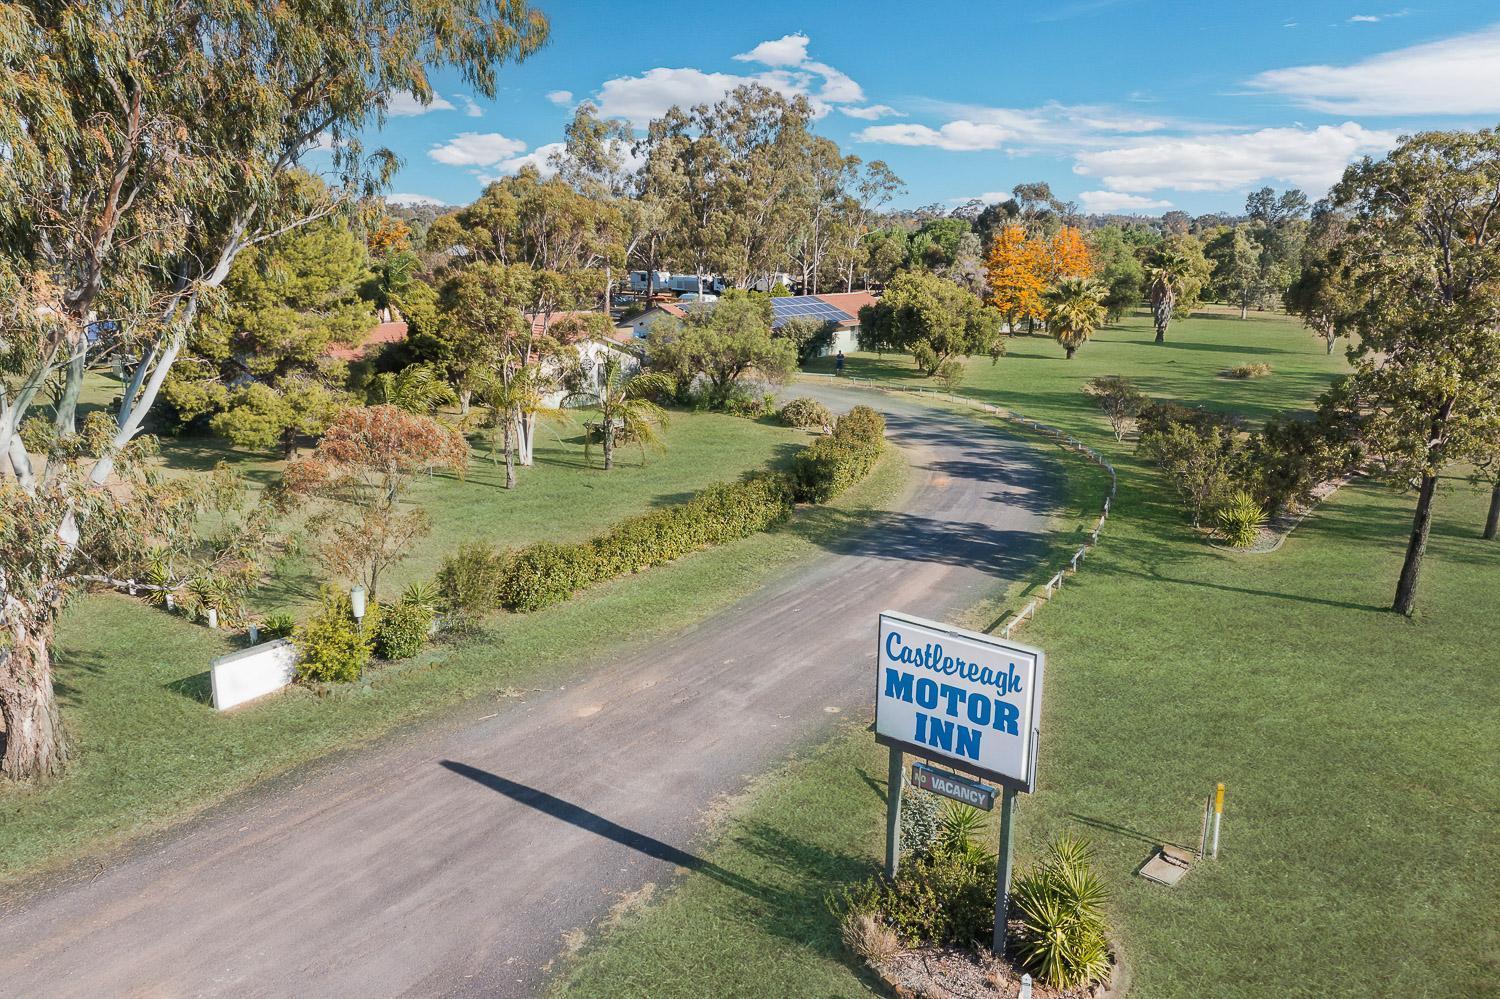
(1358, 855)
(149, 749)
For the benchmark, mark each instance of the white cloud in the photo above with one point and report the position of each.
(413, 200)
(1114, 202)
(405, 105)
(639, 99)
(476, 149)
(958, 136)
(1375, 18)
(838, 88)
(871, 113)
(1458, 76)
(471, 107)
(540, 157)
(562, 98)
(1310, 159)
(788, 50)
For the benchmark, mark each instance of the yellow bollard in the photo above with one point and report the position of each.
(1218, 814)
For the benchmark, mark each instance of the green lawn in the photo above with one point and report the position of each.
(559, 498)
(1359, 855)
(149, 749)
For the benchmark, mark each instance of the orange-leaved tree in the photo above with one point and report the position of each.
(356, 476)
(1068, 256)
(1017, 268)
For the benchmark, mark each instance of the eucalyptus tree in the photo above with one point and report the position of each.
(727, 177)
(1423, 254)
(147, 144)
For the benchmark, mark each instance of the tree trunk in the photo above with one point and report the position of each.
(510, 458)
(609, 444)
(1330, 340)
(464, 398)
(1492, 523)
(1071, 351)
(67, 407)
(33, 738)
(1244, 309)
(1406, 587)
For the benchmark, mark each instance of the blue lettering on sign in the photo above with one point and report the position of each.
(950, 737)
(930, 657)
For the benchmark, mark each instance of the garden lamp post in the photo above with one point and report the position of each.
(357, 604)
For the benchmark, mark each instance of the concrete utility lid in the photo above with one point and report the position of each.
(1167, 866)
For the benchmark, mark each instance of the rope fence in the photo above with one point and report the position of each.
(1063, 440)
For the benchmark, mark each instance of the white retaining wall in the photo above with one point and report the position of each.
(254, 672)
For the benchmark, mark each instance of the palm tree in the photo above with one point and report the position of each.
(1167, 269)
(1075, 308)
(622, 406)
(416, 388)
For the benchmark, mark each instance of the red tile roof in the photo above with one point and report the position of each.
(379, 336)
(849, 301)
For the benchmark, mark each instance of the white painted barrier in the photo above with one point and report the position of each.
(250, 673)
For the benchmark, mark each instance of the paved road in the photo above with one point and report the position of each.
(453, 861)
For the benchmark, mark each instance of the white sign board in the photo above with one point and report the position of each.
(254, 672)
(969, 700)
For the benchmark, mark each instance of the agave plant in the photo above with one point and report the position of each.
(960, 826)
(1240, 519)
(1061, 902)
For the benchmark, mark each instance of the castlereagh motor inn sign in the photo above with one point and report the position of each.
(971, 701)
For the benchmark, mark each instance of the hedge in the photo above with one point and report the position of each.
(830, 465)
(546, 573)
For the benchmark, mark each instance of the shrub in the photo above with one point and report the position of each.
(1240, 519)
(331, 645)
(861, 425)
(1119, 400)
(278, 625)
(871, 939)
(806, 414)
(1247, 371)
(920, 818)
(1199, 463)
(469, 580)
(749, 405)
(1063, 929)
(1158, 417)
(546, 573)
(944, 898)
(950, 373)
(402, 630)
(828, 466)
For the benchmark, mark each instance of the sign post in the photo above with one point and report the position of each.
(965, 700)
(1002, 870)
(894, 779)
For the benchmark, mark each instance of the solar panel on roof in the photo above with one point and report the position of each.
(808, 307)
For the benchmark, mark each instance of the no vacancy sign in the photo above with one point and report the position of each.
(969, 700)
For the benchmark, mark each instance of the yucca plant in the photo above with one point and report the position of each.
(959, 826)
(424, 595)
(1240, 519)
(1064, 938)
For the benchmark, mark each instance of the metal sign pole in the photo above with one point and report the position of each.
(895, 777)
(1002, 876)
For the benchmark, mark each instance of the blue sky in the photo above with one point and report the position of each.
(1120, 104)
